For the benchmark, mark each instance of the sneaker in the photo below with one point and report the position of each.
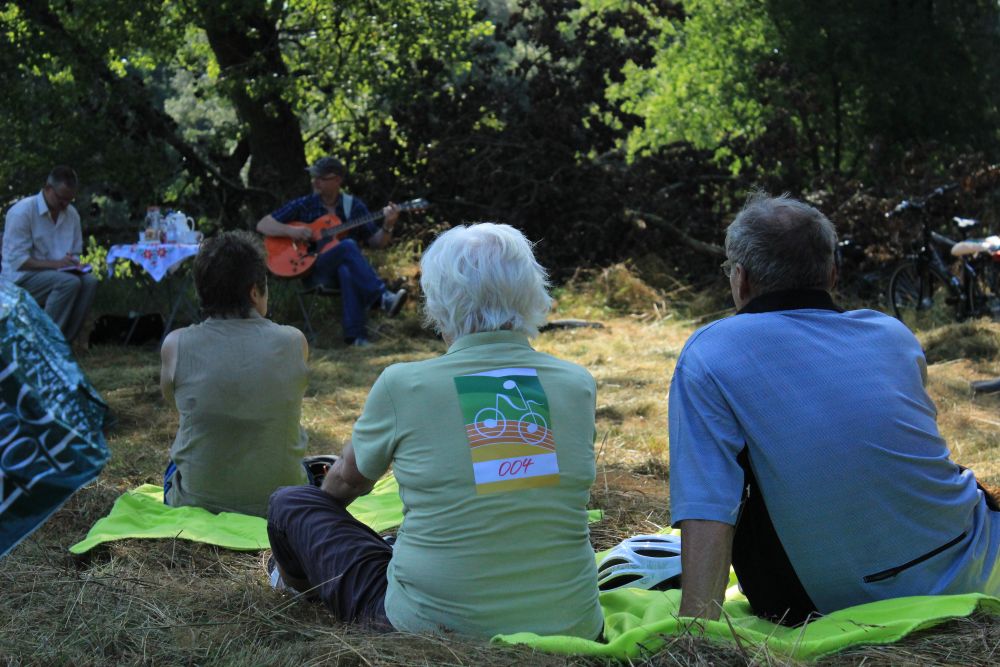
(361, 341)
(274, 576)
(392, 302)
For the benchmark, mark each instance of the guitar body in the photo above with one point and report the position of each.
(289, 258)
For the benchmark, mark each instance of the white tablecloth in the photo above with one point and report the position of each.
(155, 258)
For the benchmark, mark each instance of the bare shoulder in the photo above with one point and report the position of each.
(168, 350)
(291, 336)
(290, 333)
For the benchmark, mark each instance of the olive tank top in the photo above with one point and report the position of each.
(238, 387)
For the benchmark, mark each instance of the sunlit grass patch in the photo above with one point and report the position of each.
(977, 340)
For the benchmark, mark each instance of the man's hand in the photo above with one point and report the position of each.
(383, 236)
(706, 554)
(299, 233)
(391, 213)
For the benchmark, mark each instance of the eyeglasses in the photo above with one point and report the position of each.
(64, 197)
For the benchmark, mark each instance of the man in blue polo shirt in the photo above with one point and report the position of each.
(804, 449)
(343, 265)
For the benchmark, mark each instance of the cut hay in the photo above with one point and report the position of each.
(167, 602)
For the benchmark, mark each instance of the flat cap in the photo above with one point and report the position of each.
(326, 166)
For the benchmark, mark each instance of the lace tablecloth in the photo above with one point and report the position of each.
(155, 258)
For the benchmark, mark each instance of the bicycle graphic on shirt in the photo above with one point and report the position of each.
(531, 425)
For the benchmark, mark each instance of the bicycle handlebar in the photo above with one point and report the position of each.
(942, 239)
(920, 203)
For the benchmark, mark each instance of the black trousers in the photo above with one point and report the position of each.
(765, 574)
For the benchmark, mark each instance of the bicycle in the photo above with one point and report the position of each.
(531, 425)
(923, 290)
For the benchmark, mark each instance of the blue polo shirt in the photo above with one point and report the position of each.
(310, 207)
(842, 439)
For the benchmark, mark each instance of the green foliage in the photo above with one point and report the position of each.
(59, 104)
(192, 103)
(96, 255)
(528, 137)
(606, 129)
(821, 87)
(702, 86)
(865, 79)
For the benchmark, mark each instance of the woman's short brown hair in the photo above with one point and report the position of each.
(226, 267)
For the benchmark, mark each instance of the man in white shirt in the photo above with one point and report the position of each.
(42, 243)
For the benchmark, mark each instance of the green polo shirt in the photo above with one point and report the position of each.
(493, 448)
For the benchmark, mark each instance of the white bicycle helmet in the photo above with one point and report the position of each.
(643, 561)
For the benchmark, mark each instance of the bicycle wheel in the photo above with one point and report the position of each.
(984, 290)
(921, 298)
(492, 421)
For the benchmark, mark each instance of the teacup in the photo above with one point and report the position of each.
(190, 237)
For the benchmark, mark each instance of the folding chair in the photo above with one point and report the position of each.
(307, 302)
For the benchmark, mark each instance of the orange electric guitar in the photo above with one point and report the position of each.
(290, 258)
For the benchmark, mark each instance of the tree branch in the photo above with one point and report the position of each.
(701, 246)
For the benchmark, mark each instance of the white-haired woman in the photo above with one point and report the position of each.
(492, 444)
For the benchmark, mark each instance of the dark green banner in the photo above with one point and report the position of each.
(51, 418)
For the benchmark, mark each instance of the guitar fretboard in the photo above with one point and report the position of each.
(413, 205)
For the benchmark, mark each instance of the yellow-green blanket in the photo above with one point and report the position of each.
(639, 622)
(140, 513)
(635, 621)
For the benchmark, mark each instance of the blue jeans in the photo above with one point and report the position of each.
(168, 479)
(360, 286)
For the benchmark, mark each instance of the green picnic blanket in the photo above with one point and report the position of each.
(140, 513)
(639, 622)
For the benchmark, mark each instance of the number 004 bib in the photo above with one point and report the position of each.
(509, 428)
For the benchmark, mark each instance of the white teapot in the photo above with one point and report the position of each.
(179, 222)
(179, 227)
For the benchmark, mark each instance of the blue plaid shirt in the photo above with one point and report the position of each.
(310, 207)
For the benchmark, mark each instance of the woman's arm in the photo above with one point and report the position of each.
(168, 365)
(344, 481)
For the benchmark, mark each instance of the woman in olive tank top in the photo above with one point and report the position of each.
(237, 380)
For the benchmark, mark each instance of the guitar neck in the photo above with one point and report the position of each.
(364, 220)
(358, 222)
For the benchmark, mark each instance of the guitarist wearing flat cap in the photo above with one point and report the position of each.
(343, 265)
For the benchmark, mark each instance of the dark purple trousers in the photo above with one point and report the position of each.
(314, 537)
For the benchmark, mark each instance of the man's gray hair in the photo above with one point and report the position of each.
(483, 277)
(62, 175)
(782, 244)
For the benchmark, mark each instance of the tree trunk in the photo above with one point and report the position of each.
(244, 37)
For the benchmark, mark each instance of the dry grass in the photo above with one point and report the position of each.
(174, 602)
